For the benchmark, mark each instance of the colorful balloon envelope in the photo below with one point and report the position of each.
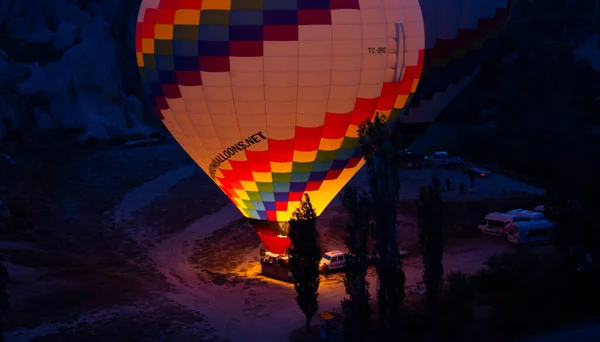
(266, 95)
(460, 36)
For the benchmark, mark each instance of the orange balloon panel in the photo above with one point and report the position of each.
(266, 95)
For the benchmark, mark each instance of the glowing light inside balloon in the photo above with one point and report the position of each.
(267, 95)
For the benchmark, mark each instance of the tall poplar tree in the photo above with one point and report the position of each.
(384, 184)
(305, 255)
(357, 308)
(431, 238)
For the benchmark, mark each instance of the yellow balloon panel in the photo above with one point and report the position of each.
(266, 96)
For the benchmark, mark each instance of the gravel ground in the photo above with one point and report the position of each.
(493, 186)
(178, 259)
(78, 260)
(156, 320)
(184, 203)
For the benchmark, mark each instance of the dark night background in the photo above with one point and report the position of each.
(71, 94)
(69, 74)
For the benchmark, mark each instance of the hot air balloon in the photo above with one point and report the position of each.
(459, 36)
(266, 95)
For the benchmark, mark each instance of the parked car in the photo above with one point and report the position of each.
(443, 158)
(528, 214)
(332, 261)
(495, 223)
(537, 231)
(409, 160)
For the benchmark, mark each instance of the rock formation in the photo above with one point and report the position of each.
(69, 65)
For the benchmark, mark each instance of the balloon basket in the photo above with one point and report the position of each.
(275, 266)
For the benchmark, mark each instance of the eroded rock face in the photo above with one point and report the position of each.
(65, 36)
(9, 76)
(2, 129)
(589, 51)
(65, 64)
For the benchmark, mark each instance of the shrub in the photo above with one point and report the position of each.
(483, 282)
(459, 289)
(505, 272)
(458, 295)
(536, 291)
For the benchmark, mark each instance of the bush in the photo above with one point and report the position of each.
(506, 272)
(483, 282)
(459, 289)
(582, 293)
(459, 295)
(535, 292)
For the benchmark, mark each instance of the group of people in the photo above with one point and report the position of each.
(462, 184)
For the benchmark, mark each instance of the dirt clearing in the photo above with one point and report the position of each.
(180, 263)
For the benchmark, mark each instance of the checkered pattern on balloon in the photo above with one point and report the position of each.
(266, 95)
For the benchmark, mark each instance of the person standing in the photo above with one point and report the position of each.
(448, 184)
(472, 178)
(462, 187)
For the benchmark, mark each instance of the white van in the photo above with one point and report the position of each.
(494, 223)
(442, 158)
(537, 231)
(528, 214)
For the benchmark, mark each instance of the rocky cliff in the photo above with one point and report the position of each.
(68, 71)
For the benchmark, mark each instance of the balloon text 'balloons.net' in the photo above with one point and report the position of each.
(266, 95)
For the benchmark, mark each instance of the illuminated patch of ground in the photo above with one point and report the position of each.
(219, 258)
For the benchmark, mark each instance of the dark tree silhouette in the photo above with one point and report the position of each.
(305, 255)
(4, 305)
(357, 308)
(431, 238)
(382, 164)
